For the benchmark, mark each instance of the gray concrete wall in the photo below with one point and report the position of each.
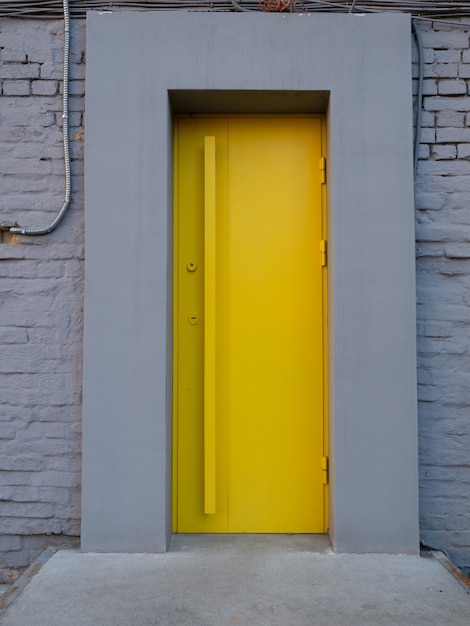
(127, 416)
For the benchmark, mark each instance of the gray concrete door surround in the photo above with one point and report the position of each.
(141, 69)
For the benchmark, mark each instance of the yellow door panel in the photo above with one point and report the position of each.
(249, 381)
(275, 327)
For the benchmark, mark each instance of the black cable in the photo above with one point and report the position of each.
(437, 9)
(419, 96)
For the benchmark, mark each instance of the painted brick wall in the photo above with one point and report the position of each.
(443, 292)
(41, 292)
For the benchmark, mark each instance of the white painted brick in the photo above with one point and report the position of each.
(424, 151)
(460, 200)
(47, 119)
(430, 87)
(452, 87)
(7, 431)
(76, 88)
(455, 268)
(44, 87)
(452, 135)
(15, 55)
(448, 56)
(60, 479)
(430, 201)
(48, 269)
(77, 71)
(34, 165)
(439, 103)
(35, 510)
(77, 103)
(464, 71)
(428, 54)
(424, 376)
(459, 216)
(75, 117)
(34, 494)
(463, 151)
(428, 393)
(457, 168)
(454, 119)
(39, 430)
(16, 87)
(69, 466)
(13, 479)
(19, 70)
(51, 71)
(443, 183)
(458, 251)
(442, 70)
(428, 135)
(455, 39)
(10, 542)
(436, 329)
(13, 335)
(429, 250)
(53, 447)
(427, 119)
(29, 182)
(33, 463)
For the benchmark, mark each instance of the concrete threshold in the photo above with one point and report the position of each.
(250, 580)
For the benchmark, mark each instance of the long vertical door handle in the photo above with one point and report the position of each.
(209, 325)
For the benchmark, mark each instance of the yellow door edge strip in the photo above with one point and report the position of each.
(209, 325)
(324, 185)
(174, 516)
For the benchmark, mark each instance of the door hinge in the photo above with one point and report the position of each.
(323, 252)
(325, 469)
(322, 170)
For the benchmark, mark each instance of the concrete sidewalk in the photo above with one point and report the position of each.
(250, 580)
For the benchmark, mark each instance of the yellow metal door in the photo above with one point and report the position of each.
(249, 438)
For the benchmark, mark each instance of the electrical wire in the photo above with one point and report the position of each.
(65, 136)
(241, 8)
(419, 96)
(418, 8)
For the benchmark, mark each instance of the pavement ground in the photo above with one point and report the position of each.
(249, 580)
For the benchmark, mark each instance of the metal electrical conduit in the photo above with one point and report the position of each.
(65, 136)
